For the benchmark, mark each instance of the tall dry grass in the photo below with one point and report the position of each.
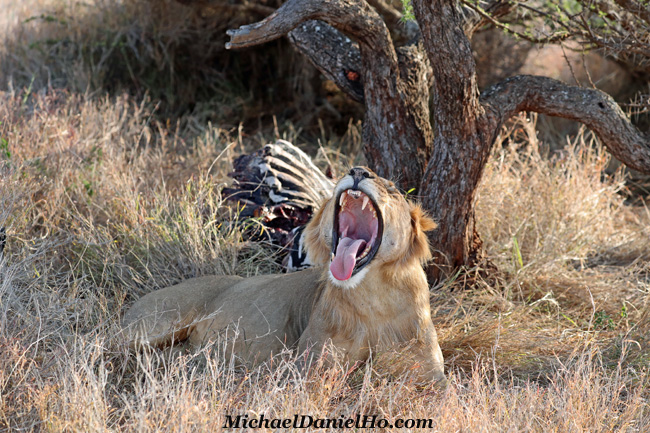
(104, 201)
(171, 52)
(103, 204)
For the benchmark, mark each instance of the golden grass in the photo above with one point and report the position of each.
(104, 202)
(160, 48)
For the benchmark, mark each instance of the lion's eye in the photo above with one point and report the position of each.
(390, 186)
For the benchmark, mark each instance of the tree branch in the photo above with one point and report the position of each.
(492, 19)
(450, 54)
(635, 8)
(402, 31)
(594, 108)
(355, 18)
(336, 56)
(475, 14)
(391, 15)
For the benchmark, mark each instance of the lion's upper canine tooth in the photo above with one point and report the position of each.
(342, 199)
(365, 202)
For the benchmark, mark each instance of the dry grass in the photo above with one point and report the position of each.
(173, 53)
(103, 201)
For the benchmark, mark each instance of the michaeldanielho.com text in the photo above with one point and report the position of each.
(308, 421)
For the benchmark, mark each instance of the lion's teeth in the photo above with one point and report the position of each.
(342, 199)
(365, 202)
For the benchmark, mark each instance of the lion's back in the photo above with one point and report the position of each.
(264, 313)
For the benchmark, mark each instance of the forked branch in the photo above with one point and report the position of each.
(276, 25)
(354, 18)
(397, 134)
(594, 108)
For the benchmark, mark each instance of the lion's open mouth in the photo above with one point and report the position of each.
(358, 228)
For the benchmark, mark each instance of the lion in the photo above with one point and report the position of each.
(366, 293)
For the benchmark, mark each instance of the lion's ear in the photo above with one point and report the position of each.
(421, 223)
(315, 245)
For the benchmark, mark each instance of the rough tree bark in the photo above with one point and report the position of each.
(445, 161)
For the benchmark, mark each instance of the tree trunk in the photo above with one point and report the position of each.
(462, 135)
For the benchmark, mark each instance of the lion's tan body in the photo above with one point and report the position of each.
(386, 306)
(197, 310)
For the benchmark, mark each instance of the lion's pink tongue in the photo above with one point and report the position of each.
(345, 258)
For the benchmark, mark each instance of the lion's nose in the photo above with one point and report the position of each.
(358, 174)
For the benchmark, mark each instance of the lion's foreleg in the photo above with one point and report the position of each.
(428, 357)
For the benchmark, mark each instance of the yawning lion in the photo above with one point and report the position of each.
(366, 293)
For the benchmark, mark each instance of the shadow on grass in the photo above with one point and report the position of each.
(173, 53)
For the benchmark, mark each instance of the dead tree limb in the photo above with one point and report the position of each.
(595, 109)
(355, 18)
